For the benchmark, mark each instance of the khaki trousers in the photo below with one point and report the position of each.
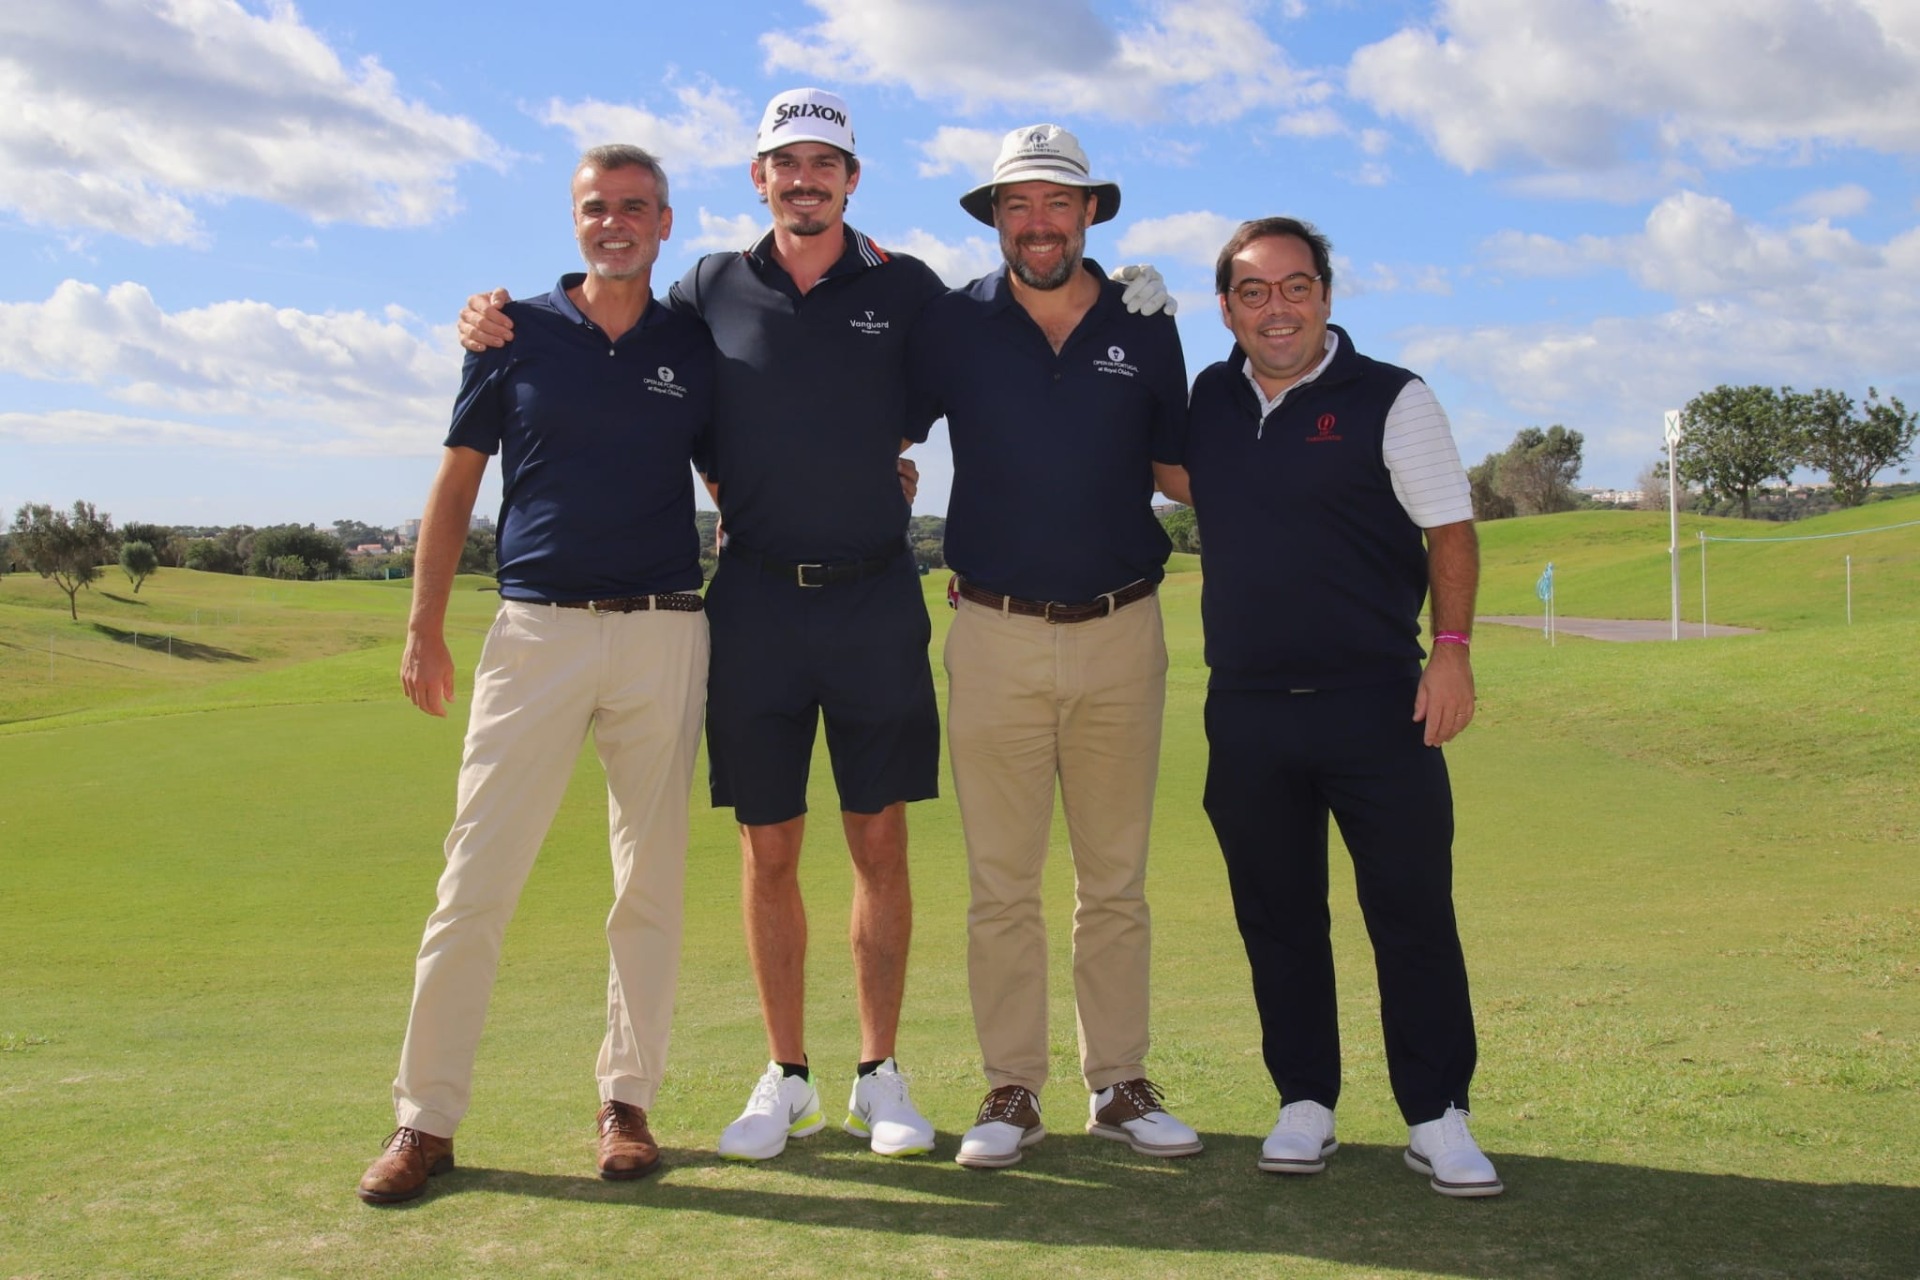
(1031, 702)
(547, 677)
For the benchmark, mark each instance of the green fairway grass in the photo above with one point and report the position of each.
(1687, 877)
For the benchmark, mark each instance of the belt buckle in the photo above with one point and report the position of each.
(800, 576)
(593, 607)
(1046, 614)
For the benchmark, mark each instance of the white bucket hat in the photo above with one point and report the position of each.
(805, 115)
(1041, 153)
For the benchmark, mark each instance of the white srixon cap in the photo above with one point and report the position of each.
(805, 115)
(1041, 153)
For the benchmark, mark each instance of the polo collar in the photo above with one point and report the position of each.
(563, 303)
(859, 254)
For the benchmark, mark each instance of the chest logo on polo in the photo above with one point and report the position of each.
(870, 326)
(1116, 363)
(1323, 431)
(663, 384)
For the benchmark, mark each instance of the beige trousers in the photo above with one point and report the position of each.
(1031, 702)
(547, 677)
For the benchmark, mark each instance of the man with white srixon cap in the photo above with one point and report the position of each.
(1063, 409)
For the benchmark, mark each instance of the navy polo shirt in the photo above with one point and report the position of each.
(1052, 454)
(812, 398)
(594, 440)
(1313, 571)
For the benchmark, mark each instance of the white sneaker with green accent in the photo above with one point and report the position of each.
(1445, 1151)
(780, 1107)
(880, 1111)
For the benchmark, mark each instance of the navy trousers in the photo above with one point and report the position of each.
(1279, 764)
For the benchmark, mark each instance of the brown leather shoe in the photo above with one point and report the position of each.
(627, 1149)
(401, 1172)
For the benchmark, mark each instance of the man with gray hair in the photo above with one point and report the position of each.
(600, 631)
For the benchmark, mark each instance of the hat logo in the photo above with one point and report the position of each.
(1116, 355)
(666, 374)
(788, 112)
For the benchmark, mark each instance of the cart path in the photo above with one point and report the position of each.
(1619, 628)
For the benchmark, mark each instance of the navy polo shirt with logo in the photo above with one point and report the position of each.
(1314, 573)
(1052, 453)
(594, 439)
(812, 400)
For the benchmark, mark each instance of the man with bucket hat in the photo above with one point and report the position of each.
(1064, 409)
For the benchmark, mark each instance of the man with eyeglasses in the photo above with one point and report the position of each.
(1332, 501)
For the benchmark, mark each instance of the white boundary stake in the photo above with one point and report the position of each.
(1703, 584)
(1849, 590)
(1673, 433)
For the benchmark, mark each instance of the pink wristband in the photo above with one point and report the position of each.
(1452, 637)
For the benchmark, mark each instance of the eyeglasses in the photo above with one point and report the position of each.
(1297, 287)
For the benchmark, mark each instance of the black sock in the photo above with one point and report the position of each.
(793, 1069)
(868, 1068)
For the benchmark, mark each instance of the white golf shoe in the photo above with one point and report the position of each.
(780, 1107)
(1301, 1140)
(880, 1111)
(1445, 1151)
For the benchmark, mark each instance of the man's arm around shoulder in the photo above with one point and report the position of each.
(426, 668)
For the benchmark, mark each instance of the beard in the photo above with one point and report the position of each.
(1053, 278)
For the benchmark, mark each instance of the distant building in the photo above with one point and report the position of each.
(409, 531)
(482, 524)
(1613, 497)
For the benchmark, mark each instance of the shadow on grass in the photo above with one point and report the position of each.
(1559, 1217)
(124, 599)
(177, 646)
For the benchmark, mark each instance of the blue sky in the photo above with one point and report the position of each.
(235, 234)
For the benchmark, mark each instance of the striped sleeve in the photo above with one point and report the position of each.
(1420, 455)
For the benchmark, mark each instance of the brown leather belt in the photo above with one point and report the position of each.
(1054, 610)
(673, 601)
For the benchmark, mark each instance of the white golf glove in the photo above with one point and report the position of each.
(1146, 292)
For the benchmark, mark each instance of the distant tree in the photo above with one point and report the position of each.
(68, 548)
(320, 554)
(1736, 439)
(168, 551)
(1537, 471)
(352, 533)
(138, 562)
(1850, 449)
(212, 555)
(1183, 527)
(478, 555)
(1483, 481)
(927, 535)
(1652, 484)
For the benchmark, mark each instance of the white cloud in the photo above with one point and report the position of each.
(1194, 238)
(241, 374)
(714, 128)
(1834, 202)
(967, 151)
(1202, 60)
(119, 116)
(719, 234)
(954, 263)
(1805, 304)
(1580, 85)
